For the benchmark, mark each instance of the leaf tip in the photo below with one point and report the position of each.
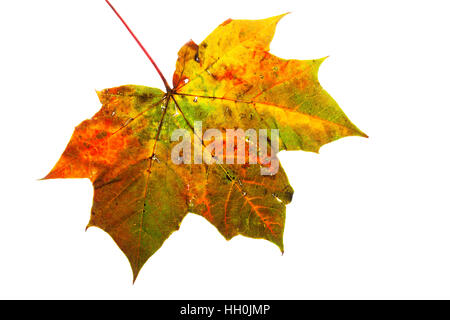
(49, 176)
(320, 60)
(226, 22)
(135, 274)
(136, 267)
(279, 244)
(279, 17)
(359, 133)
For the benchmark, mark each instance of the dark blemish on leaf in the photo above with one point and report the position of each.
(99, 184)
(128, 121)
(211, 74)
(249, 87)
(266, 55)
(101, 135)
(143, 98)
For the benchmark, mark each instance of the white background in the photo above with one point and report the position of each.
(370, 217)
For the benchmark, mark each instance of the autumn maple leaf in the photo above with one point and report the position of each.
(230, 80)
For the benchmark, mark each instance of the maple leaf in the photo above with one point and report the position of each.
(230, 80)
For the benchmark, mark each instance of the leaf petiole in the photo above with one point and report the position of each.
(166, 84)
